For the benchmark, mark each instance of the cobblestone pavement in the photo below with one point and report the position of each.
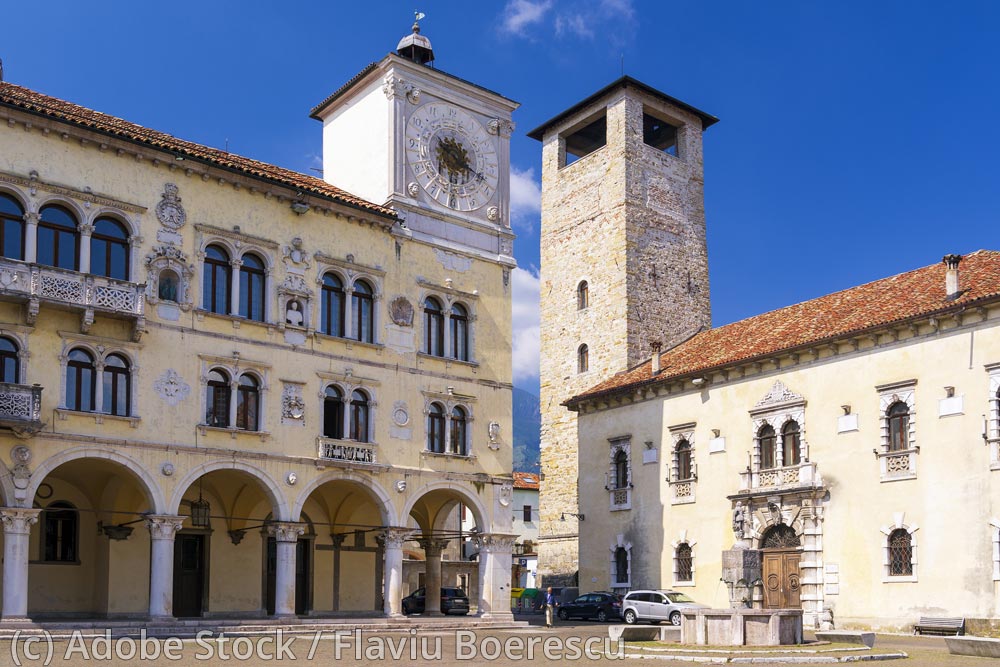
(568, 643)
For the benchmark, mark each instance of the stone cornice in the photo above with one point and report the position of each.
(33, 182)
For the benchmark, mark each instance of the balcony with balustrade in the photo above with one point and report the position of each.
(347, 452)
(86, 294)
(796, 477)
(21, 408)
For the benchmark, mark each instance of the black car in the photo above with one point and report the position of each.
(600, 605)
(453, 601)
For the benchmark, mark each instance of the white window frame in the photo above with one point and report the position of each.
(620, 543)
(100, 349)
(350, 272)
(684, 539)
(236, 245)
(778, 407)
(682, 490)
(897, 524)
(450, 401)
(235, 367)
(902, 464)
(620, 499)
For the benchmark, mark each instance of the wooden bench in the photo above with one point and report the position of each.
(934, 624)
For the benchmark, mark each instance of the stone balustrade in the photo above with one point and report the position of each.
(802, 475)
(21, 408)
(351, 452)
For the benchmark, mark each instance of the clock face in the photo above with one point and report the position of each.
(452, 157)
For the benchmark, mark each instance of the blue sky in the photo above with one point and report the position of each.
(858, 139)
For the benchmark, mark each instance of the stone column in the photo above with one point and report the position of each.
(338, 542)
(234, 399)
(31, 237)
(162, 529)
(98, 386)
(286, 536)
(494, 575)
(234, 287)
(432, 574)
(85, 229)
(17, 524)
(393, 580)
(348, 310)
(446, 334)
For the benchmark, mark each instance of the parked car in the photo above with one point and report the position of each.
(601, 605)
(656, 606)
(453, 601)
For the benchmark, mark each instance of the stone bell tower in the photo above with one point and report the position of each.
(624, 268)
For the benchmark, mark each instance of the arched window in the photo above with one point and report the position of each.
(621, 565)
(333, 413)
(332, 307)
(81, 381)
(109, 249)
(780, 536)
(168, 285)
(582, 295)
(898, 416)
(684, 562)
(621, 470)
(460, 332)
(900, 553)
(768, 442)
(10, 365)
(582, 359)
(248, 403)
(360, 408)
(252, 279)
(58, 238)
(435, 429)
(117, 385)
(433, 327)
(219, 391)
(11, 228)
(363, 312)
(684, 470)
(60, 533)
(459, 431)
(216, 280)
(790, 443)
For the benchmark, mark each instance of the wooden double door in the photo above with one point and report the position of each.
(781, 580)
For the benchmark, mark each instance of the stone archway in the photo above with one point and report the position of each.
(781, 553)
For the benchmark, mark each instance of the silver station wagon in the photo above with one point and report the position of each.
(656, 606)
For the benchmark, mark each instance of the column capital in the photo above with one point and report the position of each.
(495, 542)
(163, 526)
(433, 546)
(18, 520)
(395, 537)
(284, 531)
(338, 539)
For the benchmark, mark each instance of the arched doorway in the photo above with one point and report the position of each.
(781, 554)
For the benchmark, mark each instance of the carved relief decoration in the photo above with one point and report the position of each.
(295, 258)
(401, 311)
(494, 433)
(169, 276)
(171, 387)
(293, 407)
(506, 494)
(169, 211)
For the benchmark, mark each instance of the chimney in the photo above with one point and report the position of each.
(656, 356)
(952, 286)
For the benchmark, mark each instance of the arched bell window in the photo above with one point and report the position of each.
(252, 281)
(684, 468)
(117, 380)
(360, 412)
(248, 403)
(363, 312)
(791, 443)
(217, 280)
(217, 403)
(11, 227)
(767, 441)
(433, 327)
(58, 238)
(459, 432)
(459, 332)
(435, 428)
(898, 416)
(60, 533)
(10, 364)
(333, 412)
(81, 381)
(332, 306)
(109, 249)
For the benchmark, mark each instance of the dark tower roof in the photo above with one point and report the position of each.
(415, 46)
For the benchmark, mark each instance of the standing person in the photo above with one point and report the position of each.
(550, 608)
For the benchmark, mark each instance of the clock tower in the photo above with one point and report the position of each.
(434, 147)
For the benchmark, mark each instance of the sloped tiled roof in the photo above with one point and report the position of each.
(526, 480)
(907, 296)
(36, 103)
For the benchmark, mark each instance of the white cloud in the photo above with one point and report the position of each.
(526, 320)
(574, 23)
(525, 197)
(520, 14)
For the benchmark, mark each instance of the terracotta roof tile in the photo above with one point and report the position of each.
(67, 112)
(897, 299)
(526, 480)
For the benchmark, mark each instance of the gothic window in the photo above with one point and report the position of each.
(81, 381)
(790, 443)
(684, 468)
(333, 412)
(109, 249)
(582, 295)
(433, 327)
(248, 403)
(900, 553)
(219, 390)
(252, 281)
(898, 417)
(684, 562)
(58, 238)
(117, 381)
(60, 532)
(332, 307)
(435, 429)
(458, 432)
(360, 409)
(767, 442)
(217, 280)
(583, 359)
(10, 365)
(460, 332)
(363, 312)
(621, 470)
(621, 566)
(11, 228)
